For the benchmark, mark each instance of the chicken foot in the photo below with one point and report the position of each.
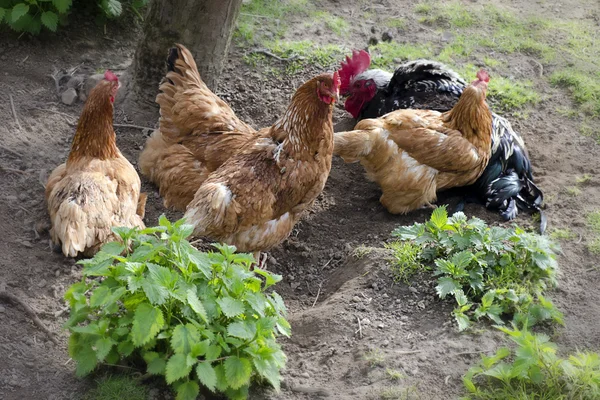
(262, 260)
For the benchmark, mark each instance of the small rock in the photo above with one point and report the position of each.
(69, 96)
(295, 285)
(385, 343)
(366, 321)
(387, 36)
(404, 318)
(381, 326)
(413, 290)
(42, 283)
(361, 307)
(385, 295)
(447, 36)
(356, 299)
(2, 309)
(422, 357)
(57, 273)
(26, 243)
(75, 81)
(305, 375)
(374, 285)
(291, 277)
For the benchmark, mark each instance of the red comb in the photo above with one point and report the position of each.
(359, 62)
(482, 75)
(110, 76)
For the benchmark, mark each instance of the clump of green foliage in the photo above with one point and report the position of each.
(491, 272)
(113, 387)
(31, 15)
(192, 317)
(406, 260)
(535, 372)
(584, 87)
(593, 222)
(387, 55)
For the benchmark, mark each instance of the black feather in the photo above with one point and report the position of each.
(172, 58)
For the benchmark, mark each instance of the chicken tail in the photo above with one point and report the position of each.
(354, 145)
(211, 210)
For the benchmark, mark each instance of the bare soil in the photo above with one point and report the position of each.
(328, 286)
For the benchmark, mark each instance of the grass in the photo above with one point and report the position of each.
(406, 262)
(394, 374)
(583, 179)
(593, 222)
(361, 251)
(584, 88)
(374, 357)
(563, 234)
(573, 191)
(395, 23)
(587, 130)
(387, 55)
(117, 387)
(337, 25)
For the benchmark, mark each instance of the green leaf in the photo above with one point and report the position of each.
(147, 322)
(201, 261)
(62, 5)
(207, 375)
(196, 305)
(2, 13)
(222, 382)
(243, 330)
(439, 217)
(112, 8)
(155, 362)
(103, 347)
(184, 336)
(187, 391)
(231, 307)
(213, 352)
(463, 321)
(237, 371)
(155, 293)
(125, 348)
(269, 371)
(257, 302)
(177, 368)
(18, 11)
(284, 327)
(50, 20)
(446, 286)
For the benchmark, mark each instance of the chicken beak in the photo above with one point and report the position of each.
(335, 96)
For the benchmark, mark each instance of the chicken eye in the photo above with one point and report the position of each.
(369, 83)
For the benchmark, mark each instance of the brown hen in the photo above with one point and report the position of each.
(256, 197)
(412, 154)
(97, 188)
(198, 131)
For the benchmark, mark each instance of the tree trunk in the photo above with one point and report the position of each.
(205, 27)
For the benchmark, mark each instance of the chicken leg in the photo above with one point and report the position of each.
(262, 260)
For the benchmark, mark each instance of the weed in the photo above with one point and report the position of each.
(391, 393)
(423, 8)
(593, 220)
(193, 317)
(117, 387)
(573, 191)
(594, 246)
(449, 14)
(583, 179)
(374, 357)
(361, 251)
(406, 260)
(395, 23)
(536, 372)
(563, 234)
(394, 374)
(587, 130)
(490, 271)
(585, 89)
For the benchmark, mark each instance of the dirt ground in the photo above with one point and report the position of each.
(402, 327)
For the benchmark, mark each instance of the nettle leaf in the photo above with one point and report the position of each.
(439, 217)
(222, 382)
(268, 370)
(2, 13)
(257, 301)
(62, 6)
(177, 368)
(446, 286)
(284, 327)
(196, 305)
(18, 11)
(125, 348)
(50, 20)
(112, 8)
(201, 261)
(231, 307)
(237, 371)
(188, 391)
(184, 336)
(462, 320)
(213, 352)
(103, 347)
(243, 330)
(207, 375)
(147, 322)
(270, 279)
(155, 362)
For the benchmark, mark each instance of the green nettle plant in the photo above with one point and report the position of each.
(31, 15)
(490, 271)
(534, 371)
(194, 317)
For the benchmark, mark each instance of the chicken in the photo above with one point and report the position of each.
(507, 183)
(97, 188)
(412, 154)
(256, 197)
(198, 131)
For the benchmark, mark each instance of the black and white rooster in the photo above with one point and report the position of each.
(507, 182)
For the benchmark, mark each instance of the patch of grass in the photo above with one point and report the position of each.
(573, 191)
(583, 179)
(406, 261)
(117, 387)
(593, 222)
(491, 272)
(533, 370)
(337, 25)
(423, 8)
(259, 17)
(587, 130)
(374, 357)
(361, 251)
(399, 393)
(563, 234)
(395, 23)
(594, 246)
(450, 14)
(394, 374)
(584, 87)
(387, 55)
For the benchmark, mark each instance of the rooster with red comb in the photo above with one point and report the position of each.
(506, 185)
